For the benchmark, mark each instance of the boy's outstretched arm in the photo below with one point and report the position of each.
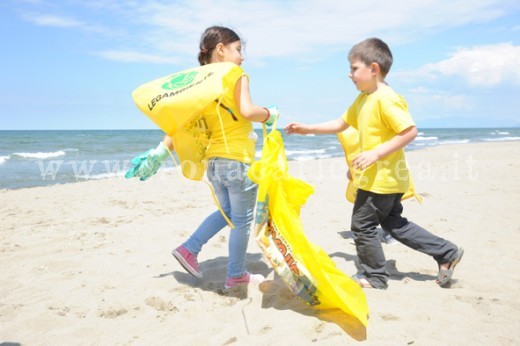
(326, 128)
(402, 139)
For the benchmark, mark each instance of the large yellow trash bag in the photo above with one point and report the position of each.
(175, 103)
(306, 269)
(349, 140)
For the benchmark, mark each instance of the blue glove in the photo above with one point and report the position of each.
(273, 115)
(148, 163)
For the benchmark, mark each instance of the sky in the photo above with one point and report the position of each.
(74, 64)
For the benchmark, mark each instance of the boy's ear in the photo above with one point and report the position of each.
(375, 68)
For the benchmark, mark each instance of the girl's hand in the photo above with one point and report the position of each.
(147, 164)
(365, 159)
(273, 115)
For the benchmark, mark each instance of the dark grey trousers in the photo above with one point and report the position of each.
(373, 209)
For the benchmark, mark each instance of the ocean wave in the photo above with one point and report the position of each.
(309, 157)
(101, 175)
(40, 155)
(311, 154)
(441, 142)
(4, 158)
(423, 144)
(455, 141)
(502, 139)
(121, 173)
(302, 152)
(497, 132)
(431, 138)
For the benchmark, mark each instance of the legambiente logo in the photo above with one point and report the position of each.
(177, 84)
(180, 80)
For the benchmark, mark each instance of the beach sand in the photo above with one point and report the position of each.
(89, 262)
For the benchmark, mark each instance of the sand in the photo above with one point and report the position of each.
(89, 263)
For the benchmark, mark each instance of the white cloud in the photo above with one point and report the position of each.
(301, 30)
(281, 28)
(426, 98)
(488, 65)
(130, 56)
(69, 22)
(53, 20)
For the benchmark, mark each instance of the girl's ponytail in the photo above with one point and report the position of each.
(204, 56)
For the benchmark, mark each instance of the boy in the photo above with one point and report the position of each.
(385, 127)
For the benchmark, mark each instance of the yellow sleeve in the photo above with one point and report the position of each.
(396, 115)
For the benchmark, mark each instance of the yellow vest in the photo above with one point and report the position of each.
(378, 118)
(349, 140)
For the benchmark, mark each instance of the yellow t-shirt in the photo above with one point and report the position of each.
(230, 135)
(379, 117)
(349, 140)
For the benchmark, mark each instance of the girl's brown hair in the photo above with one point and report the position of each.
(211, 37)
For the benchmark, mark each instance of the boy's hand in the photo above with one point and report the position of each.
(365, 159)
(297, 128)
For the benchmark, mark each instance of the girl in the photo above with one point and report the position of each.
(228, 161)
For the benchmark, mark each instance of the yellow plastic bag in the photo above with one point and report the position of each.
(305, 268)
(175, 102)
(349, 140)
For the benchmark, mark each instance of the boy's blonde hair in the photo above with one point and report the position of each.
(373, 50)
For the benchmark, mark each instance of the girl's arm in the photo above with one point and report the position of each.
(167, 141)
(248, 110)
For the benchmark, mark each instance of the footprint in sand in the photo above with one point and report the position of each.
(160, 304)
(389, 317)
(100, 220)
(266, 329)
(479, 302)
(112, 312)
(60, 311)
(231, 341)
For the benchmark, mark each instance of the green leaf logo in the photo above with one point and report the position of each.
(180, 80)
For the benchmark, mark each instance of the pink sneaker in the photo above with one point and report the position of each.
(187, 260)
(244, 279)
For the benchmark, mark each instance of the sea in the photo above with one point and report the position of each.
(47, 157)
